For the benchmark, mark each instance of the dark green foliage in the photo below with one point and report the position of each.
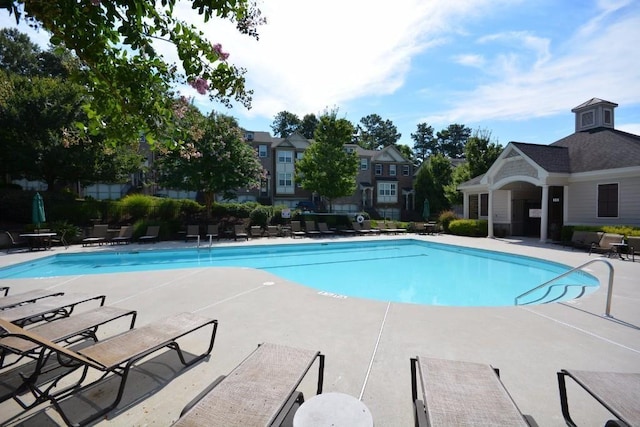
(260, 216)
(469, 227)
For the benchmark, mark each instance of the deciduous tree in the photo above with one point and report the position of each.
(308, 125)
(285, 123)
(326, 168)
(430, 183)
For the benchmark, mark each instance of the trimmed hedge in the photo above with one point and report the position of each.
(469, 227)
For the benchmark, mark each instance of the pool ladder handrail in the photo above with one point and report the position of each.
(549, 289)
(573, 270)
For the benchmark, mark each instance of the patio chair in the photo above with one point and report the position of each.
(607, 244)
(358, 228)
(125, 234)
(633, 246)
(48, 309)
(152, 234)
(272, 231)
(296, 229)
(366, 225)
(113, 356)
(324, 229)
(239, 231)
(193, 232)
(212, 232)
(582, 239)
(68, 330)
(26, 297)
(618, 392)
(260, 391)
(16, 242)
(256, 231)
(98, 235)
(310, 229)
(60, 239)
(461, 393)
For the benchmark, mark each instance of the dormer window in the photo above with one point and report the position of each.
(587, 118)
(608, 114)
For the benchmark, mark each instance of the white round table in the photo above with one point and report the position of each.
(333, 409)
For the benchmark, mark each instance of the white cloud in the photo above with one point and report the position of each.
(470, 60)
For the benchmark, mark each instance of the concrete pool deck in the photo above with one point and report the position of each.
(367, 343)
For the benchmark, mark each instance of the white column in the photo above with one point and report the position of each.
(544, 220)
(465, 205)
(565, 204)
(490, 213)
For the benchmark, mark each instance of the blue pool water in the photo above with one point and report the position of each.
(408, 271)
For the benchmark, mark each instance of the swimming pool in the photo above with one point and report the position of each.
(406, 270)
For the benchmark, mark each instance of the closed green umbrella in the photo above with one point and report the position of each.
(426, 210)
(37, 213)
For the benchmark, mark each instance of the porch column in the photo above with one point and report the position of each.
(565, 204)
(544, 220)
(465, 205)
(490, 213)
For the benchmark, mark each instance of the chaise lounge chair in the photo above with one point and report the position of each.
(261, 391)
(240, 232)
(193, 232)
(310, 229)
(607, 244)
(98, 235)
(324, 229)
(618, 392)
(461, 393)
(125, 234)
(633, 245)
(26, 297)
(16, 242)
(112, 356)
(296, 229)
(48, 309)
(153, 231)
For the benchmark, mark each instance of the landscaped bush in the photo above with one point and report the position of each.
(445, 219)
(260, 216)
(276, 217)
(469, 227)
(191, 209)
(168, 209)
(137, 206)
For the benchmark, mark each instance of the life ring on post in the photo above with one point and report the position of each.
(360, 219)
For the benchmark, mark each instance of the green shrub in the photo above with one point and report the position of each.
(260, 216)
(276, 217)
(469, 227)
(167, 209)
(445, 219)
(137, 206)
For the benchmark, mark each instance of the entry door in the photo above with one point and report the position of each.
(556, 212)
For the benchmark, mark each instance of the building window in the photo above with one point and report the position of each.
(608, 201)
(484, 204)
(607, 117)
(262, 150)
(392, 170)
(587, 118)
(378, 169)
(285, 157)
(387, 192)
(285, 183)
(364, 164)
(299, 155)
(349, 150)
(405, 170)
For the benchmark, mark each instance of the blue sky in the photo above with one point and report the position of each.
(515, 68)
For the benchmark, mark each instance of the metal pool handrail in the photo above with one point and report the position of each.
(580, 267)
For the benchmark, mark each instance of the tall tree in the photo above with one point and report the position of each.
(326, 168)
(375, 133)
(215, 160)
(308, 125)
(424, 142)
(407, 152)
(480, 152)
(129, 79)
(284, 124)
(451, 141)
(431, 181)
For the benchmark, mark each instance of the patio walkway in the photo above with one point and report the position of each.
(367, 343)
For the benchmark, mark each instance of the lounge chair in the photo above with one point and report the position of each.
(633, 246)
(125, 234)
(98, 235)
(607, 244)
(240, 232)
(582, 239)
(256, 231)
(48, 309)
(296, 229)
(60, 239)
(193, 232)
(261, 391)
(153, 231)
(212, 233)
(618, 392)
(272, 231)
(461, 393)
(366, 225)
(310, 229)
(324, 229)
(358, 228)
(16, 242)
(26, 297)
(69, 330)
(112, 356)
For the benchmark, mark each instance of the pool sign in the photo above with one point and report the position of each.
(286, 213)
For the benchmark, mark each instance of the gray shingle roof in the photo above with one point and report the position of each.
(550, 158)
(600, 149)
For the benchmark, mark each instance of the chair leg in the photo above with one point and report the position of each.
(563, 399)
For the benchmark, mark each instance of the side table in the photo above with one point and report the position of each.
(333, 409)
